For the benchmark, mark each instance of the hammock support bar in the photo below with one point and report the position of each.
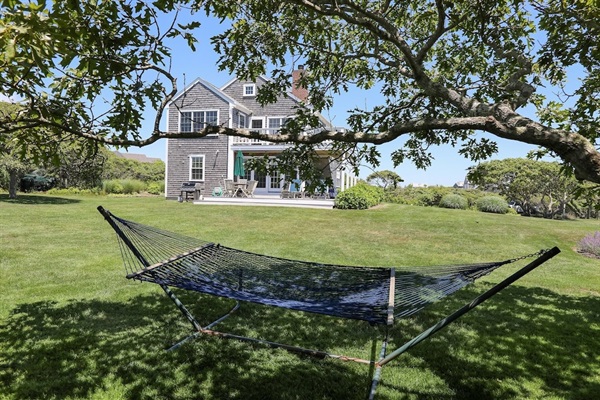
(201, 330)
(468, 307)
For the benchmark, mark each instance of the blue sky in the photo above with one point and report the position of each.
(447, 168)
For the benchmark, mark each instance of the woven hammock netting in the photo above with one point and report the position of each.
(363, 293)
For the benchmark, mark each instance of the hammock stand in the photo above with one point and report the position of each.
(383, 290)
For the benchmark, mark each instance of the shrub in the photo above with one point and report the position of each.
(132, 186)
(590, 244)
(431, 197)
(112, 186)
(454, 201)
(492, 204)
(359, 197)
(156, 187)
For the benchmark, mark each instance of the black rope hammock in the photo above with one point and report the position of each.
(375, 295)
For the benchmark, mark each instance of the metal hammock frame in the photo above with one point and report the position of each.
(384, 291)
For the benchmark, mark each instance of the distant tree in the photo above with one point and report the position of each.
(77, 166)
(524, 180)
(588, 195)
(74, 163)
(122, 168)
(384, 179)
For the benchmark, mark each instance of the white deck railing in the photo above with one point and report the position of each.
(275, 132)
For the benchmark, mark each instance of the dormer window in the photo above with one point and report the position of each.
(249, 90)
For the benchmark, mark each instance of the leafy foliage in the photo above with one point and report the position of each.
(122, 168)
(359, 197)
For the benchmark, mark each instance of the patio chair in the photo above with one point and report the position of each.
(250, 187)
(285, 192)
(229, 188)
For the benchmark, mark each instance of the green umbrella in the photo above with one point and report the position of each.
(238, 165)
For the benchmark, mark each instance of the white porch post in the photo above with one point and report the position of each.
(230, 153)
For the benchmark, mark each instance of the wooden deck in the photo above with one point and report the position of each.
(269, 201)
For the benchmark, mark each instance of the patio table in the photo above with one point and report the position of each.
(240, 189)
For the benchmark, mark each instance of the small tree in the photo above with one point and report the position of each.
(11, 159)
(385, 179)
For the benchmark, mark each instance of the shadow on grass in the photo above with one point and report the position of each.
(86, 348)
(523, 343)
(57, 351)
(32, 199)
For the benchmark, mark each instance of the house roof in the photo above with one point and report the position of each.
(219, 93)
(216, 91)
(327, 123)
(137, 157)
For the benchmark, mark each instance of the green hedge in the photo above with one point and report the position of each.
(359, 197)
(492, 204)
(455, 201)
(123, 186)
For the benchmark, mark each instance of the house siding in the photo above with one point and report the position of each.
(213, 148)
(282, 108)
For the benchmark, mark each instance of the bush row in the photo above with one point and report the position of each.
(117, 186)
(132, 186)
(431, 196)
(447, 197)
(359, 197)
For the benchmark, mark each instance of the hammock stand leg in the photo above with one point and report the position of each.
(378, 367)
(468, 307)
(198, 329)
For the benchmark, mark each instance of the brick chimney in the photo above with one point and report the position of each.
(297, 90)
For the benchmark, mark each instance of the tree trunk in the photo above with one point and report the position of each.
(12, 183)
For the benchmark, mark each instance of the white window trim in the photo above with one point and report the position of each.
(190, 167)
(198, 110)
(257, 119)
(249, 85)
(274, 117)
(240, 116)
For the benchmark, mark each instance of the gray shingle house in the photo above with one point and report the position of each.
(210, 160)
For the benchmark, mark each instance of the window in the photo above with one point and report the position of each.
(249, 90)
(194, 121)
(196, 168)
(242, 121)
(275, 124)
(257, 123)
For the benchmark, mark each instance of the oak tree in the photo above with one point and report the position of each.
(446, 70)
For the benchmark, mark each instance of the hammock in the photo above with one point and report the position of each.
(375, 295)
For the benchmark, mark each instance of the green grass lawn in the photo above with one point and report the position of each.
(72, 327)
